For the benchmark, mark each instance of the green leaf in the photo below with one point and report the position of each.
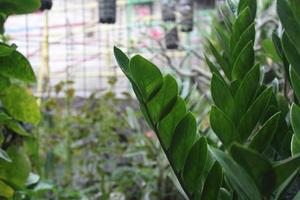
(19, 6)
(291, 53)
(16, 128)
(241, 182)
(258, 167)
(289, 22)
(17, 66)
(5, 50)
(223, 126)
(251, 4)
(295, 145)
(295, 119)
(212, 67)
(166, 127)
(183, 140)
(4, 83)
(21, 105)
(220, 60)
(6, 191)
(295, 79)
(221, 95)
(16, 172)
(265, 135)
(4, 156)
(270, 50)
(247, 36)
(241, 24)
(295, 116)
(285, 168)
(195, 164)
(161, 104)
(244, 62)
(246, 91)
(213, 183)
(123, 61)
(254, 114)
(146, 76)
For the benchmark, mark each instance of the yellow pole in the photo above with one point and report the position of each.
(44, 71)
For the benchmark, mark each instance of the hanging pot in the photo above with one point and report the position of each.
(168, 12)
(171, 39)
(203, 4)
(107, 11)
(46, 5)
(187, 13)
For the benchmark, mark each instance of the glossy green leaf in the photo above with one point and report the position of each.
(213, 183)
(295, 119)
(4, 83)
(251, 4)
(242, 183)
(223, 126)
(220, 60)
(5, 50)
(19, 6)
(16, 128)
(212, 67)
(183, 140)
(17, 66)
(270, 50)
(221, 95)
(254, 114)
(244, 62)
(161, 104)
(295, 145)
(264, 136)
(146, 76)
(289, 22)
(195, 164)
(167, 125)
(21, 105)
(4, 156)
(258, 167)
(246, 91)
(15, 173)
(291, 52)
(6, 191)
(285, 168)
(295, 79)
(122, 60)
(247, 36)
(241, 24)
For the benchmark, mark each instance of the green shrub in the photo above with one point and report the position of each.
(17, 107)
(252, 158)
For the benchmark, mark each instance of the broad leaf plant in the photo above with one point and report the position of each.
(18, 107)
(253, 121)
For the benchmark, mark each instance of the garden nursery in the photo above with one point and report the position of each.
(149, 99)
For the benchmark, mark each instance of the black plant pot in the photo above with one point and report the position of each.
(168, 12)
(206, 3)
(187, 13)
(171, 39)
(46, 5)
(107, 11)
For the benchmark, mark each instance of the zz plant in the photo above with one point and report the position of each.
(17, 108)
(247, 116)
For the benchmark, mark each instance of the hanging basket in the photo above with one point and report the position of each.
(107, 11)
(186, 8)
(46, 5)
(171, 39)
(168, 12)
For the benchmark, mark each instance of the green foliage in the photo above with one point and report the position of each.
(248, 116)
(17, 107)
